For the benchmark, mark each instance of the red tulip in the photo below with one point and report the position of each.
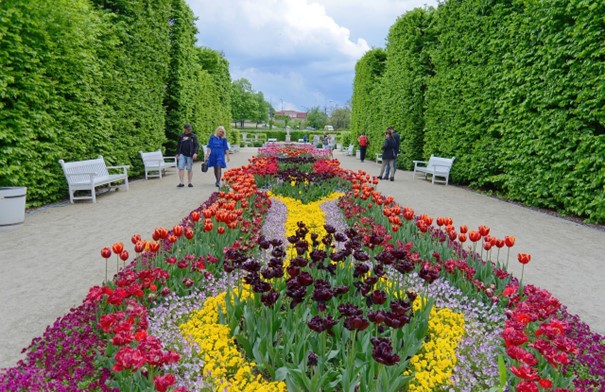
(524, 258)
(408, 213)
(172, 239)
(487, 245)
(220, 229)
(464, 229)
(462, 237)
(124, 255)
(509, 240)
(195, 216)
(140, 246)
(177, 230)
(483, 230)
(440, 221)
(188, 233)
(474, 235)
(117, 247)
(395, 228)
(154, 246)
(500, 243)
(106, 253)
(135, 238)
(160, 233)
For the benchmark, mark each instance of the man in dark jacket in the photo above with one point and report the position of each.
(186, 152)
(388, 155)
(394, 163)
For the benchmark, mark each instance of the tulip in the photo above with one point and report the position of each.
(195, 216)
(177, 230)
(140, 246)
(483, 230)
(135, 238)
(509, 241)
(474, 235)
(523, 258)
(117, 247)
(464, 229)
(106, 254)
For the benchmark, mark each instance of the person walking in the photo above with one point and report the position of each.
(186, 153)
(388, 155)
(217, 154)
(397, 142)
(363, 145)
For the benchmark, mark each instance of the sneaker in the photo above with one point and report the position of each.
(191, 185)
(392, 178)
(217, 185)
(380, 177)
(180, 185)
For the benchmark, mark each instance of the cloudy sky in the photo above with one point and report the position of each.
(299, 53)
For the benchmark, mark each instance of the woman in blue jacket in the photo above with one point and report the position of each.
(217, 154)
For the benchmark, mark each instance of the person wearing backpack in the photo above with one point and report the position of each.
(363, 145)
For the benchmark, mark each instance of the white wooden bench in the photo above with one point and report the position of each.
(378, 157)
(89, 174)
(435, 167)
(350, 150)
(155, 161)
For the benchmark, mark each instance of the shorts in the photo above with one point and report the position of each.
(185, 162)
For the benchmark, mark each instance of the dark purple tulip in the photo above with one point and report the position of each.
(338, 256)
(340, 290)
(251, 266)
(293, 271)
(292, 239)
(276, 242)
(376, 317)
(312, 359)
(379, 297)
(349, 310)
(356, 323)
(371, 280)
(379, 270)
(340, 237)
(360, 270)
(318, 255)
(330, 229)
(278, 252)
(299, 261)
(400, 307)
(305, 278)
(383, 351)
(269, 299)
(360, 255)
(404, 266)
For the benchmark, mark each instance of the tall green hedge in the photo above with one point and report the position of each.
(514, 89)
(366, 115)
(82, 78)
(405, 82)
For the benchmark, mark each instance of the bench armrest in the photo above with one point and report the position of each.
(123, 167)
(416, 163)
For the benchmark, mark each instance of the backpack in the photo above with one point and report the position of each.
(363, 141)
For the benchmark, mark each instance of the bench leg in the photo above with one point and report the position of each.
(93, 194)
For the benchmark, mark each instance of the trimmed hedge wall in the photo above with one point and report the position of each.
(82, 78)
(514, 89)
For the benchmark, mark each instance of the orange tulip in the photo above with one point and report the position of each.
(462, 237)
(160, 233)
(408, 213)
(524, 258)
(172, 239)
(117, 247)
(509, 240)
(153, 246)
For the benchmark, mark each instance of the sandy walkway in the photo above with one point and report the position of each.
(47, 265)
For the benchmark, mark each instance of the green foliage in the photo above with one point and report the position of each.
(86, 78)
(405, 80)
(513, 89)
(366, 115)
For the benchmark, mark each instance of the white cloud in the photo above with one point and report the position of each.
(301, 51)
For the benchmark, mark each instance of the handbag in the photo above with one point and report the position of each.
(204, 166)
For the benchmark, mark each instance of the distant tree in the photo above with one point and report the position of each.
(261, 114)
(243, 101)
(284, 118)
(341, 118)
(316, 118)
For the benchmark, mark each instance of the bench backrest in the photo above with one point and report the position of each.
(154, 156)
(72, 169)
(443, 164)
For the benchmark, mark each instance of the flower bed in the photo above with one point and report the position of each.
(301, 276)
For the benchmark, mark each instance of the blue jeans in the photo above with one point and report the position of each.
(185, 162)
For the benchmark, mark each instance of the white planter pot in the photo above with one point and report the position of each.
(12, 207)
